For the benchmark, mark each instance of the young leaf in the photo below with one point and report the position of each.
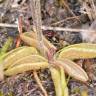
(3, 52)
(55, 73)
(32, 42)
(63, 82)
(11, 52)
(84, 93)
(29, 59)
(1, 72)
(6, 46)
(72, 69)
(1, 93)
(10, 59)
(46, 42)
(78, 51)
(20, 68)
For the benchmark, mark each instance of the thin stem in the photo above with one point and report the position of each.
(20, 31)
(66, 29)
(37, 23)
(39, 83)
(50, 28)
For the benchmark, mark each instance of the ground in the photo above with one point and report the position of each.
(59, 13)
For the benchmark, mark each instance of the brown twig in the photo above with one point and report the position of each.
(93, 7)
(20, 31)
(61, 21)
(65, 4)
(88, 8)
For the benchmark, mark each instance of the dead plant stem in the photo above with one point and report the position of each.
(39, 83)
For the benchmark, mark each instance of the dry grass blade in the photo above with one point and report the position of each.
(77, 51)
(39, 83)
(63, 20)
(26, 67)
(8, 25)
(50, 28)
(64, 3)
(72, 69)
(93, 7)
